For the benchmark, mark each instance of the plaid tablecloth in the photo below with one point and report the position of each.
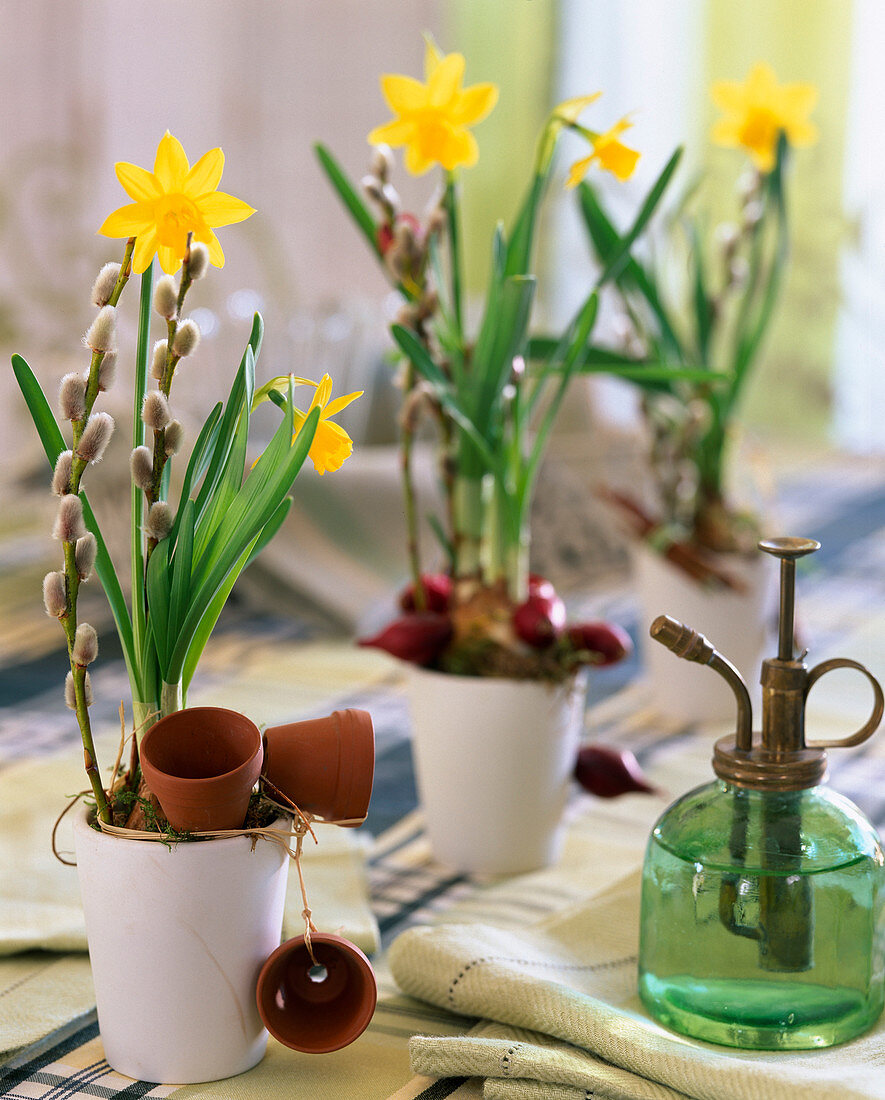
(842, 608)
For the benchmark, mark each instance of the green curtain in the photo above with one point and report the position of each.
(510, 42)
(808, 41)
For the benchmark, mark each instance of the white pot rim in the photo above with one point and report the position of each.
(516, 683)
(82, 813)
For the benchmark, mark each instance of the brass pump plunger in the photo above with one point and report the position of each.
(781, 761)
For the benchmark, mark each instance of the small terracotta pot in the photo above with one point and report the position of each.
(202, 764)
(316, 1012)
(324, 765)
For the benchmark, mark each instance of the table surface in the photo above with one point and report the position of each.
(837, 598)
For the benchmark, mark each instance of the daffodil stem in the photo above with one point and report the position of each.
(160, 458)
(450, 203)
(409, 496)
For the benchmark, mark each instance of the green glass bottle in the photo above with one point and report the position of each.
(763, 894)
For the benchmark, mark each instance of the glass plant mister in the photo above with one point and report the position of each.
(763, 892)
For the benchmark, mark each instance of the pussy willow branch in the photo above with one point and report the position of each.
(72, 577)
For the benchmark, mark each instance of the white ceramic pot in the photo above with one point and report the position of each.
(493, 761)
(736, 623)
(176, 940)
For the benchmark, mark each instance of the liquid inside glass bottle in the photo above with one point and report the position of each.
(762, 918)
(763, 893)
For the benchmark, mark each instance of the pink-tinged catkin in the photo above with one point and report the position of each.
(70, 697)
(107, 370)
(85, 551)
(61, 475)
(166, 297)
(158, 359)
(155, 410)
(96, 436)
(102, 333)
(72, 396)
(159, 521)
(104, 284)
(69, 525)
(54, 598)
(173, 438)
(198, 261)
(141, 466)
(187, 338)
(85, 648)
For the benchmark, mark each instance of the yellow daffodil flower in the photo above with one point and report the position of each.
(608, 152)
(758, 110)
(171, 202)
(570, 110)
(331, 444)
(433, 118)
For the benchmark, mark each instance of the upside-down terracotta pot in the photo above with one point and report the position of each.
(324, 765)
(317, 1008)
(202, 763)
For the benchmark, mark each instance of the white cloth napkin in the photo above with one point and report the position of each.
(562, 1018)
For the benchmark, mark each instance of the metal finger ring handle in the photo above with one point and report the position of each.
(872, 723)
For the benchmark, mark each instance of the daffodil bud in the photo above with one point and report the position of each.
(104, 284)
(102, 333)
(72, 396)
(70, 695)
(158, 359)
(166, 297)
(95, 438)
(61, 475)
(173, 438)
(107, 370)
(187, 337)
(84, 555)
(155, 410)
(54, 599)
(198, 260)
(69, 525)
(85, 648)
(141, 466)
(159, 521)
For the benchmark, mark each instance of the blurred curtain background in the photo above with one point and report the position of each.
(89, 82)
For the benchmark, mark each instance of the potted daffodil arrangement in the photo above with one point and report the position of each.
(484, 633)
(194, 1017)
(697, 544)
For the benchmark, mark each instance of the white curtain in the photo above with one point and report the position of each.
(859, 379)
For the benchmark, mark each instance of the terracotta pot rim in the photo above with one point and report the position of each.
(358, 956)
(192, 783)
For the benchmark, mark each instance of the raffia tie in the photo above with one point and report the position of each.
(302, 824)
